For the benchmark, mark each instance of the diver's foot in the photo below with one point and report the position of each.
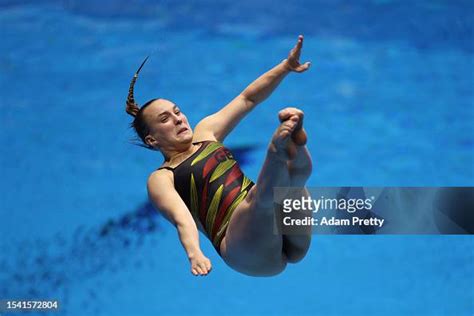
(281, 143)
(298, 136)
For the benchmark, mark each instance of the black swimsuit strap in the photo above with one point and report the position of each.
(172, 169)
(168, 168)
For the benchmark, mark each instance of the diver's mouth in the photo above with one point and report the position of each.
(184, 129)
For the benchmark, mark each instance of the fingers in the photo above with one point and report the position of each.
(294, 56)
(303, 67)
(299, 43)
(201, 268)
(296, 51)
(198, 271)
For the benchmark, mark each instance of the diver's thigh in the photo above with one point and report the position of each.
(250, 235)
(251, 252)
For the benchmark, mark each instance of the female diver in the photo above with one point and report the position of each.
(200, 185)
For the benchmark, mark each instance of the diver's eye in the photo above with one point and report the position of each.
(177, 112)
(164, 119)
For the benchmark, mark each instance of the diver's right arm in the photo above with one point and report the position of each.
(163, 195)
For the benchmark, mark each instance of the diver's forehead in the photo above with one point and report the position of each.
(162, 106)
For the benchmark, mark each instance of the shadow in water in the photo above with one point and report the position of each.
(39, 269)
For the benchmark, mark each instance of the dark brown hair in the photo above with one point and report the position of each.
(139, 123)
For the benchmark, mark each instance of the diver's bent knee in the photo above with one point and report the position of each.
(295, 256)
(295, 253)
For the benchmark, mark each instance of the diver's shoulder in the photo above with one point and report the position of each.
(160, 176)
(203, 136)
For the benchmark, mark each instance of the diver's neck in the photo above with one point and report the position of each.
(176, 155)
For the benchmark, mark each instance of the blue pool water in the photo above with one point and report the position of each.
(388, 101)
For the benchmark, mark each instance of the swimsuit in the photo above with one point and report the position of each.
(211, 185)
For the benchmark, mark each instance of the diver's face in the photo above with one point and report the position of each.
(168, 126)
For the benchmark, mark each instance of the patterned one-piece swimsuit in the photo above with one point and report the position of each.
(211, 184)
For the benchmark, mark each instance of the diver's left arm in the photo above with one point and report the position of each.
(222, 122)
(263, 86)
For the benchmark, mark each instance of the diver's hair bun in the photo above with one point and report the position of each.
(132, 107)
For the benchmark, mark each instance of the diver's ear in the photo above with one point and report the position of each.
(151, 141)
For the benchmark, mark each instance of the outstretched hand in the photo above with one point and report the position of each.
(293, 61)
